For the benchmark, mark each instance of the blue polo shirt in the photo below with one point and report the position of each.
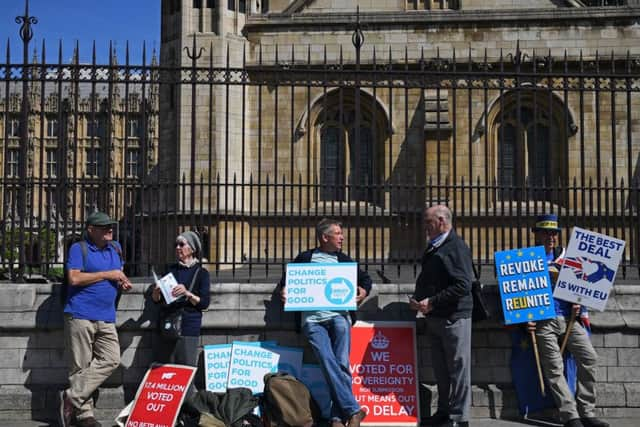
(97, 300)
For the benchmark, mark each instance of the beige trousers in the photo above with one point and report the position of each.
(94, 353)
(548, 333)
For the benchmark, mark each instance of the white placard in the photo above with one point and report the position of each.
(250, 361)
(589, 268)
(166, 284)
(216, 367)
(321, 286)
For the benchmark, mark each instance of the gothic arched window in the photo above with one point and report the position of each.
(349, 157)
(531, 148)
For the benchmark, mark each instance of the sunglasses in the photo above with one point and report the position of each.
(181, 244)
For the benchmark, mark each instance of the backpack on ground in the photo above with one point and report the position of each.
(287, 402)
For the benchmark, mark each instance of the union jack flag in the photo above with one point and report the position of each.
(577, 264)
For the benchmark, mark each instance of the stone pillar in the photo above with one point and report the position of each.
(220, 8)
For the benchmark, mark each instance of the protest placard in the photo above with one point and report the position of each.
(524, 284)
(383, 366)
(290, 360)
(321, 286)
(216, 367)
(160, 396)
(589, 268)
(250, 361)
(313, 378)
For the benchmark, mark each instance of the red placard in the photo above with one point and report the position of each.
(383, 367)
(160, 396)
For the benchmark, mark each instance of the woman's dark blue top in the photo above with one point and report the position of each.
(192, 314)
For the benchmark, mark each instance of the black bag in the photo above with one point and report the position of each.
(171, 324)
(170, 318)
(480, 308)
(287, 402)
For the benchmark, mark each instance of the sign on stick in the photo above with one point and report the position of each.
(589, 268)
(525, 286)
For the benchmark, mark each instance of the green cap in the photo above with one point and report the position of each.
(100, 218)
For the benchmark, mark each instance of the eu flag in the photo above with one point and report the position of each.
(525, 375)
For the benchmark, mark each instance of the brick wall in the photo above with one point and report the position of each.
(33, 367)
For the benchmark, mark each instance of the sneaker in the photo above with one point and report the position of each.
(66, 410)
(354, 420)
(593, 422)
(88, 422)
(575, 422)
(337, 423)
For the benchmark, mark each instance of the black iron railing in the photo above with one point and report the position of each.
(253, 151)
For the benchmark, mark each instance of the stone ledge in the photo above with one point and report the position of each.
(504, 17)
(256, 305)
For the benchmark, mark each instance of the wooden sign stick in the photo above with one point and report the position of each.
(535, 352)
(568, 331)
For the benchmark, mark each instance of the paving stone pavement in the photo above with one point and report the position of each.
(475, 422)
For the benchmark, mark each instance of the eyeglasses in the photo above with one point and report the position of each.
(103, 227)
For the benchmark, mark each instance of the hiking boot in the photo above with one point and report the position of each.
(66, 410)
(593, 422)
(354, 420)
(88, 422)
(575, 422)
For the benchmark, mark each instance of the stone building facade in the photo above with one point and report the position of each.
(90, 145)
(520, 99)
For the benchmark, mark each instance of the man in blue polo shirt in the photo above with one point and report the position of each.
(94, 276)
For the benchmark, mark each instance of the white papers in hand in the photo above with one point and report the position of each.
(166, 284)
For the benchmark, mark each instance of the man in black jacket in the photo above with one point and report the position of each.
(329, 332)
(443, 296)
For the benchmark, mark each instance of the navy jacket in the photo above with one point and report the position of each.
(191, 315)
(446, 276)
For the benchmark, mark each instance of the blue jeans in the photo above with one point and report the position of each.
(331, 342)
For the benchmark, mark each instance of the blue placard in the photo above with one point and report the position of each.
(313, 378)
(290, 359)
(525, 286)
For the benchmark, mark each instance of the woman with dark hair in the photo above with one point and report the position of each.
(192, 297)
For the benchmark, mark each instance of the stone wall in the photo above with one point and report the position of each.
(33, 367)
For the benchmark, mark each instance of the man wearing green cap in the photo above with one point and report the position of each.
(94, 276)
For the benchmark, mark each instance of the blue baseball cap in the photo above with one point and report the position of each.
(548, 222)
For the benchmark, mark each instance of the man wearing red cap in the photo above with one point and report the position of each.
(578, 410)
